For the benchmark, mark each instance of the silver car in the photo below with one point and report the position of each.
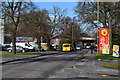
(79, 47)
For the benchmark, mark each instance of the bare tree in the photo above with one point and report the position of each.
(12, 11)
(70, 31)
(57, 16)
(38, 25)
(42, 26)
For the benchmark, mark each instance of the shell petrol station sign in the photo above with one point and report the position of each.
(103, 42)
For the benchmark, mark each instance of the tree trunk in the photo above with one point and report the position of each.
(14, 44)
(39, 42)
(14, 39)
(110, 36)
(48, 43)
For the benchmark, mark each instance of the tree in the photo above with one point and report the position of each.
(71, 31)
(87, 11)
(38, 25)
(42, 24)
(116, 35)
(42, 27)
(57, 15)
(12, 11)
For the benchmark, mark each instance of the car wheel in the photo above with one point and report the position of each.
(23, 51)
(10, 51)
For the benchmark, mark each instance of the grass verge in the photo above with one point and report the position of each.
(106, 56)
(11, 54)
(112, 66)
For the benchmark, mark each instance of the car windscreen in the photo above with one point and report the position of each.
(29, 44)
(78, 45)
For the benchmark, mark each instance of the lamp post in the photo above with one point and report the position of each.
(97, 28)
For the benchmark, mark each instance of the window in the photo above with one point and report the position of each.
(65, 45)
(18, 46)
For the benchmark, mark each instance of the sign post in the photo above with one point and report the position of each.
(115, 50)
(103, 46)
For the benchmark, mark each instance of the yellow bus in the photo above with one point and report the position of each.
(66, 47)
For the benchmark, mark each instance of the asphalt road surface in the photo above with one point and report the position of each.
(3, 52)
(49, 66)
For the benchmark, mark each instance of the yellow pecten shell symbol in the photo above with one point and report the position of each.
(104, 32)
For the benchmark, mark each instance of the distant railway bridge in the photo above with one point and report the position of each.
(88, 40)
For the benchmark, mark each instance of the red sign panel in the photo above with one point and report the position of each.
(103, 39)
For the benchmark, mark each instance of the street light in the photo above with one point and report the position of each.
(98, 23)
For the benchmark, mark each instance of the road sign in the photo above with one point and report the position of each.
(115, 50)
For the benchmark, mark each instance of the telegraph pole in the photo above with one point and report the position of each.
(98, 23)
(72, 36)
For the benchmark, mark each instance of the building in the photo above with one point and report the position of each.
(1, 30)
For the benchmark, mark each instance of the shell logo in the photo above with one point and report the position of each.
(104, 32)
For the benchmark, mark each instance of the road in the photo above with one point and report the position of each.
(3, 52)
(59, 65)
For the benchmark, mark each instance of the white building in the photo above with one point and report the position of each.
(1, 30)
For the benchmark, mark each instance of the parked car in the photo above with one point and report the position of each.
(18, 49)
(79, 47)
(88, 46)
(3, 48)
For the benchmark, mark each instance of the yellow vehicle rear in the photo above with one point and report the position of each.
(66, 47)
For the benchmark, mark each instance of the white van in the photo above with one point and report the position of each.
(34, 45)
(25, 45)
